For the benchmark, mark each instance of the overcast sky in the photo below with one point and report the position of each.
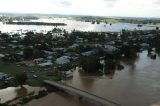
(141, 8)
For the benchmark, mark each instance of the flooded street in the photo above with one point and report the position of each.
(137, 84)
(11, 93)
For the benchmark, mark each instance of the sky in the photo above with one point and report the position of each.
(129, 8)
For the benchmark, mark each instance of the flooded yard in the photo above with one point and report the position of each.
(12, 93)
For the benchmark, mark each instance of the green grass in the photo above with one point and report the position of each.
(153, 24)
(51, 77)
(34, 82)
(7, 70)
(110, 20)
(34, 68)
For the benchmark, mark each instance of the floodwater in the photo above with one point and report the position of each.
(59, 99)
(73, 25)
(138, 84)
(12, 93)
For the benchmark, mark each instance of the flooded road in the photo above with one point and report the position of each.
(138, 84)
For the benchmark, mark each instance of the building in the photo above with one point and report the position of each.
(63, 60)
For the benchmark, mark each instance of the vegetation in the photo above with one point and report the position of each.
(30, 53)
(21, 78)
(51, 77)
(34, 82)
(35, 68)
(28, 98)
(6, 70)
(90, 64)
(36, 23)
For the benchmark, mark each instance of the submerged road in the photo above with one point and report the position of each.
(82, 94)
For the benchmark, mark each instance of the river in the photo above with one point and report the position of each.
(138, 84)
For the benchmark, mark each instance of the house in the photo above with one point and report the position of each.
(79, 40)
(1, 56)
(3, 76)
(88, 53)
(50, 57)
(45, 64)
(14, 41)
(109, 48)
(2, 83)
(20, 53)
(28, 63)
(73, 46)
(67, 74)
(111, 43)
(63, 60)
(97, 45)
(49, 52)
(38, 60)
(144, 45)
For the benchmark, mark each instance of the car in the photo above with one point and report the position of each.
(32, 71)
(35, 76)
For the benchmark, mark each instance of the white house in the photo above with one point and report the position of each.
(88, 53)
(1, 55)
(67, 73)
(45, 64)
(109, 48)
(63, 60)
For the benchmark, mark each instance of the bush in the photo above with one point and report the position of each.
(90, 64)
(120, 67)
(41, 94)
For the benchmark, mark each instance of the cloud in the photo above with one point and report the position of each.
(64, 3)
(148, 8)
(157, 2)
(110, 3)
(110, 0)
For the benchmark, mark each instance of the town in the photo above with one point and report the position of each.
(31, 57)
(58, 51)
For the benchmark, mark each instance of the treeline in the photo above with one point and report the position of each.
(140, 21)
(36, 23)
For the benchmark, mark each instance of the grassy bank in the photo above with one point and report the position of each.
(34, 82)
(51, 77)
(4, 68)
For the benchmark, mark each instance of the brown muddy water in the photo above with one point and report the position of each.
(138, 84)
(12, 93)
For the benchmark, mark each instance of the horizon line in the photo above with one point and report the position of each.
(83, 15)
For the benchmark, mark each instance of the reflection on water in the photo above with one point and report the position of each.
(137, 84)
(59, 99)
(11, 93)
(77, 25)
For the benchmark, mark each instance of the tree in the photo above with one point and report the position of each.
(28, 53)
(129, 51)
(90, 64)
(21, 79)
(38, 53)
